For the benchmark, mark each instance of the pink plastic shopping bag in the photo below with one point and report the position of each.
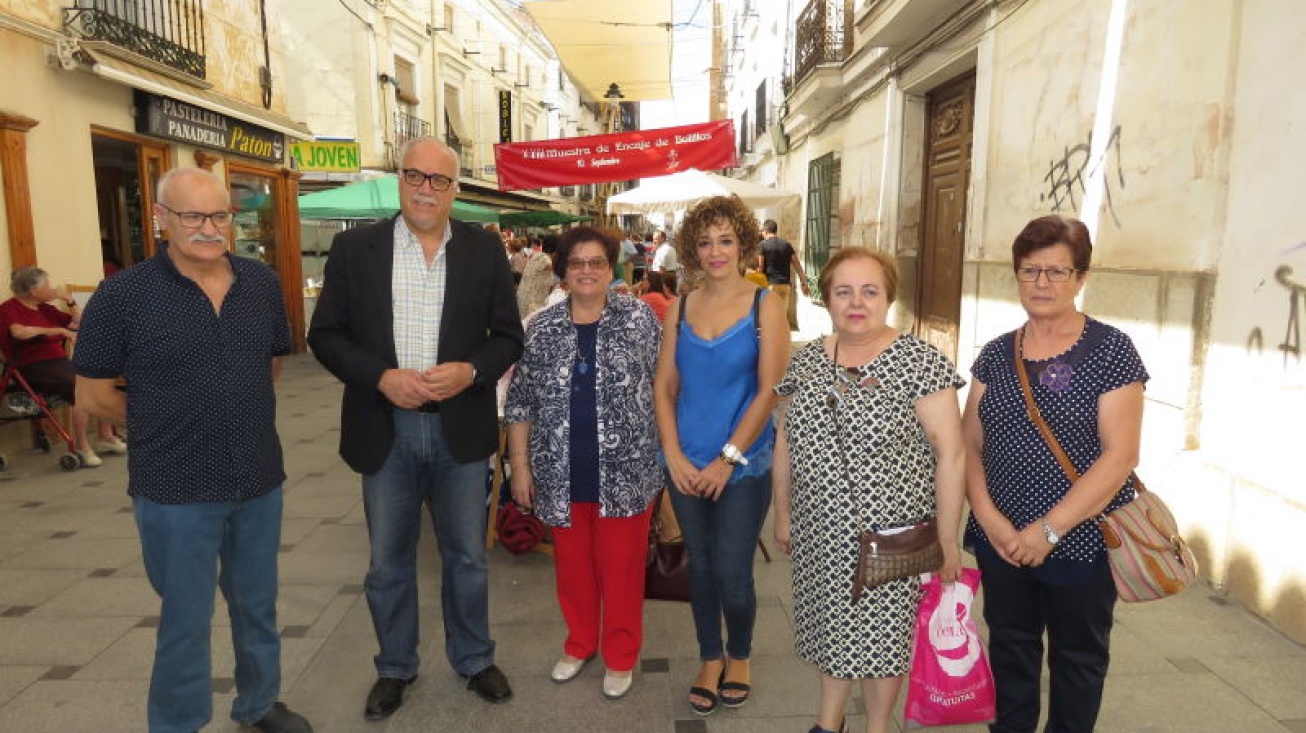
(950, 683)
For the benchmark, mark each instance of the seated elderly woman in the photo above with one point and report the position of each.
(33, 333)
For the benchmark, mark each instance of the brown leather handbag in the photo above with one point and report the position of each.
(892, 555)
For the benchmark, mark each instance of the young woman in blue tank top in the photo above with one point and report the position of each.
(726, 347)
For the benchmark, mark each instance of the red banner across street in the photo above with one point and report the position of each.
(620, 156)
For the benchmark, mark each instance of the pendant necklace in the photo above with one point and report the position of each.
(583, 363)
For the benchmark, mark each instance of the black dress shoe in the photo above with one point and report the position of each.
(490, 684)
(386, 697)
(280, 719)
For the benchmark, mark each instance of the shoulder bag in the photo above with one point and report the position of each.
(890, 553)
(1148, 557)
(666, 567)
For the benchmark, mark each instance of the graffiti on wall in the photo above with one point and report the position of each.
(1290, 346)
(1067, 179)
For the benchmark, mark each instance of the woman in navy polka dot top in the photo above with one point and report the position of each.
(1042, 556)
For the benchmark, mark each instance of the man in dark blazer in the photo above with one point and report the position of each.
(418, 318)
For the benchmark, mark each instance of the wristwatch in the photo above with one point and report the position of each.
(475, 374)
(732, 455)
(1051, 534)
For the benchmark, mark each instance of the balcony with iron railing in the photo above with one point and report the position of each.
(409, 127)
(824, 35)
(170, 32)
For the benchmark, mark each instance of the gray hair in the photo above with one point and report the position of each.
(25, 279)
(403, 152)
(166, 181)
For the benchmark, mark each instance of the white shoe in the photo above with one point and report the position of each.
(565, 670)
(112, 446)
(89, 459)
(616, 686)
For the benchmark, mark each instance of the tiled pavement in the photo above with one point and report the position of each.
(77, 625)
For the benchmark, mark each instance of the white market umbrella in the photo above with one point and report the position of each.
(680, 191)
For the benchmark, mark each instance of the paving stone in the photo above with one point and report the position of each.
(33, 587)
(1275, 683)
(69, 706)
(55, 641)
(103, 597)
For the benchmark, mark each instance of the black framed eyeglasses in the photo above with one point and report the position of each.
(415, 178)
(1030, 274)
(195, 219)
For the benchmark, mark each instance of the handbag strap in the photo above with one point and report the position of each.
(1036, 417)
(839, 444)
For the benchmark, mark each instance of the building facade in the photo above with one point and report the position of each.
(101, 98)
(934, 129)
(473, 73)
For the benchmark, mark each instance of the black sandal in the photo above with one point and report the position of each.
(711, 696)
(734, 701)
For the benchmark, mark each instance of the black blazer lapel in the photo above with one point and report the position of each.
(380, 284)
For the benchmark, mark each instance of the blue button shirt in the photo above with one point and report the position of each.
(201, 410)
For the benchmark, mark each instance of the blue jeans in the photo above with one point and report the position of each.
(420, 468)
(189, 549)
(721, 537)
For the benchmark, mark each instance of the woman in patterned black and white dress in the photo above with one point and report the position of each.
(869, 410)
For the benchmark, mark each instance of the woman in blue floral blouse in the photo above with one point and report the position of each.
(584, 452)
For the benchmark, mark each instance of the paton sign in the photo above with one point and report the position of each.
(165, 117)
(621, 156)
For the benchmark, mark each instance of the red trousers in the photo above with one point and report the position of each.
(599, 566)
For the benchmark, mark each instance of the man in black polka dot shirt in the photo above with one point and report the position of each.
(197, 335)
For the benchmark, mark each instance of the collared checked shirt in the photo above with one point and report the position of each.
(201, 410)
(418, 288)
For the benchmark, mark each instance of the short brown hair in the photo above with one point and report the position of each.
(845, 254)
(729, 209)
(580, 235)
(1049, 231)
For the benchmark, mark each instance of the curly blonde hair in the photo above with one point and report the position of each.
(729, 210)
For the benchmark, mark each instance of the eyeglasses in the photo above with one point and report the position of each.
(845, 379)
(593, 263)
(415, 178)
(1029, 274)
(195, 219)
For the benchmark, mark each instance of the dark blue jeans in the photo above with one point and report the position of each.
(189, 550)
(420, 468)
(721, 538)
(1019, 608)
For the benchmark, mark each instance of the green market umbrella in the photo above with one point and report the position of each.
(541, 218)
(375, 198)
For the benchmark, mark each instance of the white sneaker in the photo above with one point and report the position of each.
(112, 446)
(566, 670)
(90, 460)
(615, 686)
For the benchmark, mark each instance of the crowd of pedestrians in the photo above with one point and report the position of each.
(634, 364)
